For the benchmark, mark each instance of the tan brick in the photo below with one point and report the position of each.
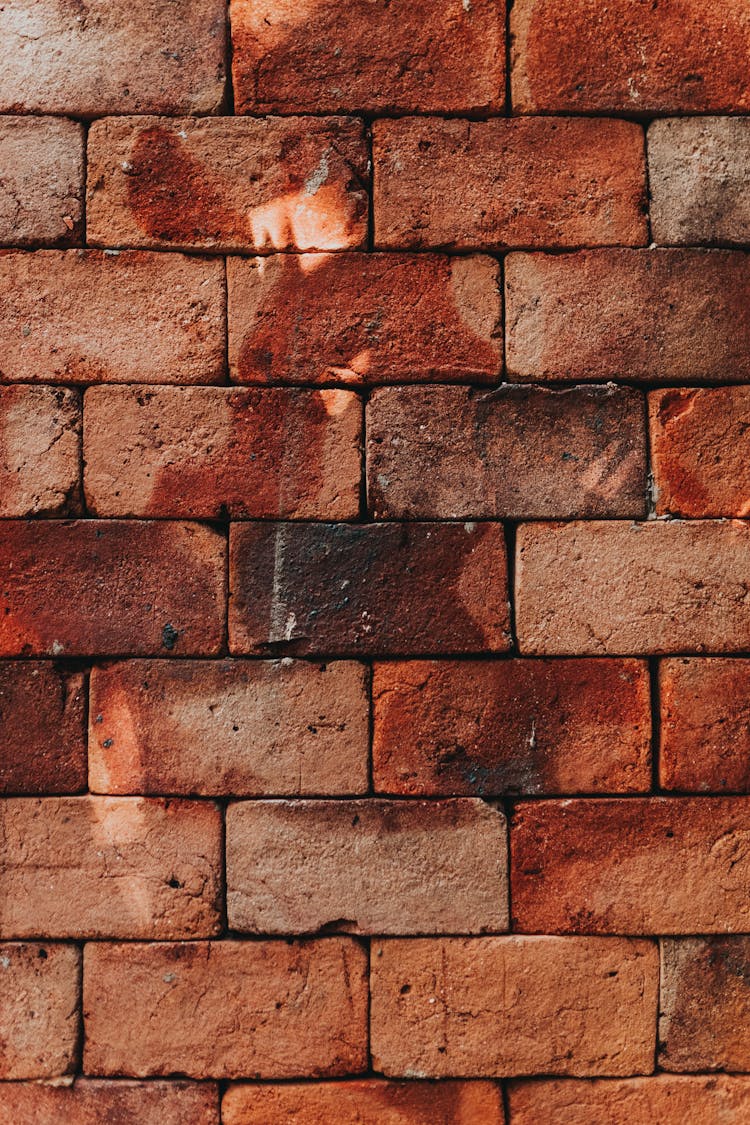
(90, 1102)
(43, 740)
(248, 727)
(40, 435)
(369, 866)
(40, 1011)
(41, 180)
(110, 867)
(268, 1009)
(513, 1005)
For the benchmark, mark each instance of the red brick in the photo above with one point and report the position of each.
(700, 448)
(40, 437)
(88, 57)
(659, 316)
(110, 867)
(110, 587)
(512, 726)
(513, 1005)
(41, 190)
(643, 57)
(90, 1102)
(365, 1102)
(43, 746)
(386, 867)
(200, 452)
(508, 182)
(295, 183)
(128, 317)
(248, 727)
(40, 1011)
(445, 56)
(705, 724)
(613, 587)
(636, 866)
(364, 318)
(268, 1009)
(514, 452)
(379, 589)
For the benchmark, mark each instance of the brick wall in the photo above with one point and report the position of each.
(374, 469)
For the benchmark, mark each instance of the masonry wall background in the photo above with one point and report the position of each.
(375, 592)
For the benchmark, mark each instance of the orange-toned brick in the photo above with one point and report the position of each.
(41, 180)
(39, 1012)
(40, 438)
(43, 743)
(624, 1101)
(90, 1101)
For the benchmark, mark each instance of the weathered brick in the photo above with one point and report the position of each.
(200, 452)
(623, 1101)
(513, 1005)
(295, 183)
(90, 1101)
(371, 866)
(268, 1009)
(42, 177)
(514, 452)
(84, 316)
(508, 182)
(635, 866)
(364, 318)
(40, 435)
(89, 57)
(40, 1010)
(42, 732)
(678, 55)
(110, 587)
(660, 316)
(377, 589)
(253, 728)
(705, 724)
(700, 448)
(110, 867)
(613, 587)
(445, 56)
(487, 728)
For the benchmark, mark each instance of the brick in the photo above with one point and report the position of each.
(43, 734)
(251, 728)
(636, 866)
(513, 1005)
(41, 190)
(699, 451)
(89, 57)
(659, 316)
(387, 867)
(365, 1102)
(445, 56)
(295, 183)
(508, 182)
(40, 436)
(267, 1009)
(582, 56)
(514, 452)
(705, 724)
(84, 316)
(364, 318)
(110, 587)
(298, 589)
(40, 1010)
(110, 867)
(614, 588)
(484, 728)
(90, 1101)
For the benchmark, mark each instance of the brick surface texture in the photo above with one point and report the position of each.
(375, 562)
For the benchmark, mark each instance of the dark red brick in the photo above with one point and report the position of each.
(42, 728)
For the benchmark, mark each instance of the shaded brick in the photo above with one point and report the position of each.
(376, 589)
(110, 587)
(202, 452)
(40, 1011)
(601, 1101)
(90, 1102)
(510, 1005)
(508, 182)
(42, 728)
(636, 866)
(388, 867)
(110, 867)
(659, 316)
(613, 587)
(514, 452)
(268, 1009)
(247, 727)
(40, 435)
(364, 318)
(512, 726)
(295, 183)
(42, 177)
